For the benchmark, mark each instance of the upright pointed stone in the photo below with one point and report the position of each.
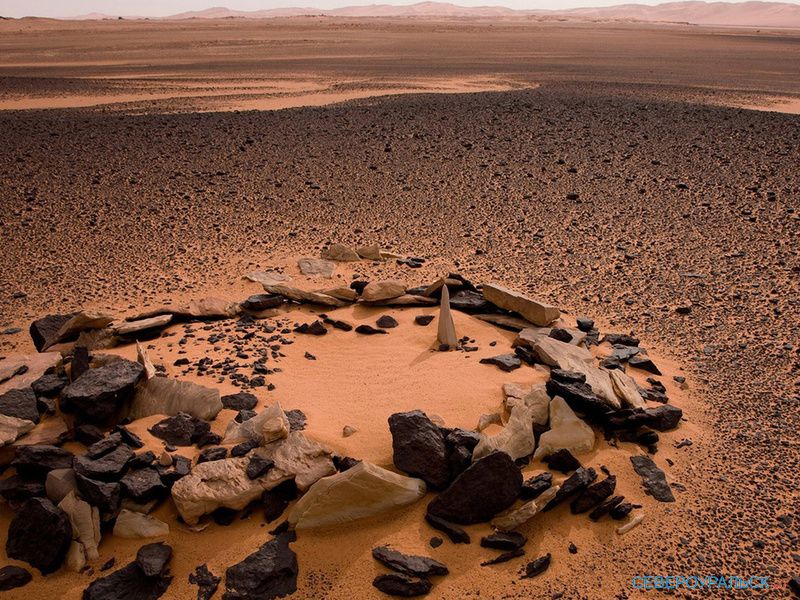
(447, 329)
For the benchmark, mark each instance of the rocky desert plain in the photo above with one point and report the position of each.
(330, 307)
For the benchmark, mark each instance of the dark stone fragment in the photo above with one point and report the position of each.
(108, 564)
(653, 478)
(423, 320)
(417, 566)
(37, 460)
(336, 324)
(504, 557)
(244, 448)
(504, 540)
(419, 448)
(105, 496)
(490, 485)
(386, 322)
(794, 586)
(594, 495)
(153, 559)
(470, 301)
(620, 338)
(435, 542)
(239, 401)
(128, 583)
(534, 487)
(453, 531)
(585, 324)
(270, 572)
(140, 461)
(128, 437)
(506, 362)
(369, 330)
(397, 584)
(344, 463)
(260, 302)
(143, 485)
(206, 582)
(39, 534)
(537, 567)
(20, 403)
(276, 500)
(181, 430)
(644, 363)
(87, 434)
(297, 419)
(244, 415)
(358, 286)
(109, 467)
(17, 489)
(258, 466)
(560, 334)
(579, 396)
(315, 328)
(224, 516)
(104, 446)
(44, 331)
(620, 511)
(12, 577)
(80, 362)
(99, 394)
(567, 376)
(211, 454)
(575, 483)
(660, 418)
(180, 467)
(605, 507)
(563, 461)
(49, 385)
(526, 355)
(572, 548)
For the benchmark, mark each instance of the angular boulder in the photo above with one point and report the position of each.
(163, 396)
(44, 331)
(135, 525)
(376, 291)
(39, 534)
(419, 448)
(538, 313)
(267, 426)
(132, 582)
(269, 572)
(12, 428)
(99, 394)
(653, 478)
(20, 403)
(566, 432)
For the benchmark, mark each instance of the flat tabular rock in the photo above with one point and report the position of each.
(77, 323)
(500, 540)
(316, 267)
(20, 403)
(181, 430)
(626, 389)
(109, 467)
(37, 460)
(397, 584)
(143, 485)
(341, 253)
(134, 525)
(655, 482)
(372, 252)
(566, 431)
(516, 439)
(21, 370)
(40, 535)
(575, 483)
(12, 428)
(490, 485)
(270, 572)
(267, 277)
(302, 296)
(143, 326)
(100, 393)
(164, 396)
(534, 311)
(12, 577)
(261, 302)
(419, 448)
(523, 514)
(408, 564)
(505, 362)
(376, 291)
(132, 582)
(456, 534)
(406, 300)
(361, 491)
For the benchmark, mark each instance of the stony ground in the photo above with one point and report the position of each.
(611, 204)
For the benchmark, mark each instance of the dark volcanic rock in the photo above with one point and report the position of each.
(143, 485)
(660, 418)
(12, 577)
(504, 557)
(575, 483)
(270, 572)
(500, 540)
(620, 338)
(506, 362)
(369, 330)
(39, 534)
(239, 401)
(244, 448)
(594, 495)
(563, 461)
(19, 489)
(532, 488)
(490, 485)
(104, 446)
(418, 566)
(20, 403)
(655, 483)
(100, 393)
(297, 419)
(419, 448)
(260, 302)
(181, 430)
(105, 496)
(585, 324)
(386, 322)
(39, 459)
(644, 363)
(211, 454)
(258, 466)
(578, 394)
(423, 320)
(537, 567)
(109, 467)
(128, 437)
(470, 301)
(315, 328)
(397, 584)
(605, 507)
(453, 531)
(132, 582)
(206, 582)
(44, 331)
(276, 500)
(621, 510)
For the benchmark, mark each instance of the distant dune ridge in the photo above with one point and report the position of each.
(745, 14)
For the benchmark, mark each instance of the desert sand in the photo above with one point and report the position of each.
(606, 169)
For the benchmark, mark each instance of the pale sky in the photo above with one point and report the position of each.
(161, 8)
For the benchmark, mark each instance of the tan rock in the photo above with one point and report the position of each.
(165, 396)
(144, 360)
(134, 525)
(362, 491)
(85, 521)
(80, 322)
(298, 456)
(626, 389)
(267, 277)
(342, 293)
(534, 397)
(516, 438)
(348, 430)
(303, 296)
(165, 459)
(523, 514)
(51, 431)
(12, 428)
(36, 365)
(376, 291)
(370, 252)
(538, 313)
(566, 431)
(59, 484)
(341, 253)
(506, 321)
(131, 327)
(634, 522)
(75, 559)
(489, 419)
(316, 267)
(208, 308)
(438, 284)
(446, 334)
(269, 425)
(406, 300)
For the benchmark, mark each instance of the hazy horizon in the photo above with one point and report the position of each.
(163, 8)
